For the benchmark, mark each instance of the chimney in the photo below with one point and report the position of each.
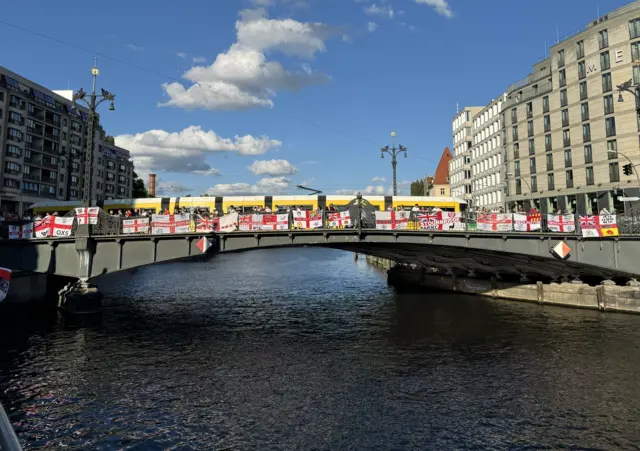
(152, 185)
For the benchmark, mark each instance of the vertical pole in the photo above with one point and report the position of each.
(394, 163)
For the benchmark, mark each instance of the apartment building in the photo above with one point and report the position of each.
(460, 164)
(43, 142)
(568, 131)
(487, 157)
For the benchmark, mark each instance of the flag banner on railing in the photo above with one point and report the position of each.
(164, 224)
(228, 223)
(138, 225)
(495, 222)
(20, 232)
(561, 223)
(526, 223)
(597, 226)
(264, 222)
(438, 220)
(5, 278)
(392, 220)
(62, 226)
(339, 220)
(43, 228)
(307, 220)
(206, 224)
(87, 215)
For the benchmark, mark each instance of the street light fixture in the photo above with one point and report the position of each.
(633, 166)
(394, 152)
(627, 86)
(510, 174)
(92, 104)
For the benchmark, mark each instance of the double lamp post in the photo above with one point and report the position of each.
(394, 152)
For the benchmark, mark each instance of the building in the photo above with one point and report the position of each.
(43, 141)
(568, 131)
(487, 157)
(460, 164)
(440, 181)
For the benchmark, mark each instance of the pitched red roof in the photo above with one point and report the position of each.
(441, 176)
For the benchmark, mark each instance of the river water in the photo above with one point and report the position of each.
(306, 349)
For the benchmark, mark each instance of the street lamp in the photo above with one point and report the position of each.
(394, 152)
(633, 166)
(92, 103)
(510, 174)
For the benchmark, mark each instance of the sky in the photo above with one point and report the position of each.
(242, 97)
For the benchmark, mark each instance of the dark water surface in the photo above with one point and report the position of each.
(308, 350)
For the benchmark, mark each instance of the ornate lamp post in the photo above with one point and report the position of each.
(92, 103)
(394, 152)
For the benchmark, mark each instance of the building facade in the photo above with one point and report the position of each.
(568, 131)
(460, 164)
(43, 142)
(439, 183)
(487, 157)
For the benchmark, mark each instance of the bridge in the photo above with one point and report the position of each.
(513, 256)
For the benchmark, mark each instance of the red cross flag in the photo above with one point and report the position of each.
(204, 244)
(87, 215)
(5, 278)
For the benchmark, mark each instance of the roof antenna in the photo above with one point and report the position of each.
(457, 107)
(598, 8)
(557, 35)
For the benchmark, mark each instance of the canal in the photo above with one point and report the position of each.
(306, 349)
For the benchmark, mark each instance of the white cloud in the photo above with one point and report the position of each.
(378, 180)
(263, 3)
(375, 10)
(242, 77)
(372, 26)
(199, 59)
(181, 55)
(272, 167)
(186, 151)
(372, 190)
(263, 186)
(135, 48)
(440, 6)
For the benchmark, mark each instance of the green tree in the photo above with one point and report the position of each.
(109, 140)
(139, 190)
(417, 188)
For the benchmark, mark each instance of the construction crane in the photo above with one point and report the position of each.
(313, 191)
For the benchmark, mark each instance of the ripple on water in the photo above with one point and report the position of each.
(307, 349)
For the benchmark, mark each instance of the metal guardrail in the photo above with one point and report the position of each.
(8, 438)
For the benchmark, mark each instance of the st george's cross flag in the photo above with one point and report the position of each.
(5, 278)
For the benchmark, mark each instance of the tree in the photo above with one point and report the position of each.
(417, 188)
(139, 190)
(109, 140)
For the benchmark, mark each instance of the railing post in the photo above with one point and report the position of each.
(359, 202)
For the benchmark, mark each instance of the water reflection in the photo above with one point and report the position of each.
(307, 349)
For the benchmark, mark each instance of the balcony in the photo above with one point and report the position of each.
(18, 122)
(34, 177)
(52, 136)
(49, 164)
(52, 121)
(17, 105)
(49, 180)
(38, 130)
(34, 159)
(47, 193)
(34, 145)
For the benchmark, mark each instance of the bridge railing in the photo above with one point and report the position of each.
(8, 439)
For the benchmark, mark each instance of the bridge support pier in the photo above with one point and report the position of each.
(80, 297)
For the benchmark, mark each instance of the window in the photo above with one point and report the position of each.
(74, 180)
(10, 183)
(13, 151)
(14, 135)
(580, 49)
(514, 131)
(442, 191)
(603, 39)
(610, 126)
(532, 147)
(583, 90)
(586, 132)
(588, 156)
(605, 63)
(612, 149)
(562, 76)
(516, 168)
(567, 158)
(12, 168)
(532, 165)
(547, 123)
(608, 104)
(582, 71)
(518, 186)
(589, 172)
(560, 58)
(569, 179)
(547, 143)
(545, 104)
(614, 172)
(584, 111)
(516, 150)
(566, 138)
(530, 128)
(534, 183)
(535, 90)
(549, 162)
(514, 115)
(551, 181)
(563, 98)
(529, 110)
(635, 56)
(634, 28)
(606, 82)
(565, 118)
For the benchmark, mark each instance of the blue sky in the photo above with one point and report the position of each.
(310, 88)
